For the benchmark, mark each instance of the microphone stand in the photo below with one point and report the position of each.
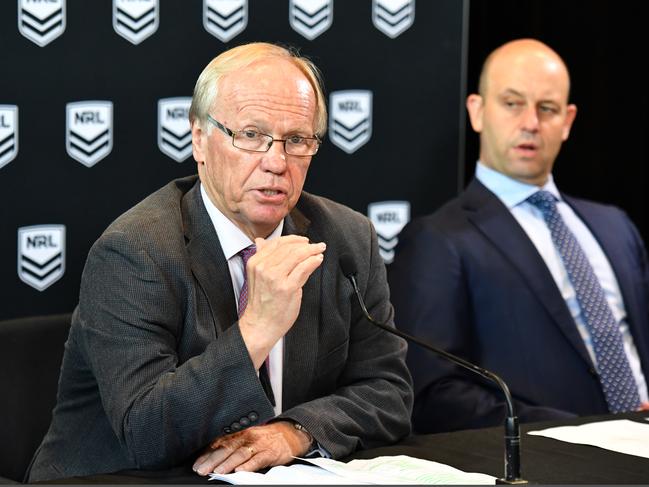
(512, 430)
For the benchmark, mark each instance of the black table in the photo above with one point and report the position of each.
(544, 460)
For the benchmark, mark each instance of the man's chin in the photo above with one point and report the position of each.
(264, 222)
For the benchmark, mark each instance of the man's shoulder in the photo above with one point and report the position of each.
(449, 216)
(320, 209)
(456, 219)
(592, 207)
(603, 217)
(158, 210)
(155, 222)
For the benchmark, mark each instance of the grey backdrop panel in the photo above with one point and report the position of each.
(416, 80)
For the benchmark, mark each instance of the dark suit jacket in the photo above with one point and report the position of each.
(468, 279)
(155, 366)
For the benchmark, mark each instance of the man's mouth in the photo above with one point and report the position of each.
(271, 195)
(526, 146)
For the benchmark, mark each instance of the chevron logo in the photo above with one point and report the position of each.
(174, 131)
(389, 218)
(8, 134)
(135, 20)
(224, 19)
(89, 131)
(310, 17)
(41, 255)
(393, 17)
(350, 120)
(41, 22)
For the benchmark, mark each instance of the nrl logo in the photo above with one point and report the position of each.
(393, 17)
(41, 22)
(135, 20)
(389, 218)
(41, 255)
(350, 121)
(310, 17)
(8, 133)
(174, 131)
(224, 19)
(89, 131)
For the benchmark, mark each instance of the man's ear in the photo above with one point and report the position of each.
(475, 105)
(571, 113)
(199, 142)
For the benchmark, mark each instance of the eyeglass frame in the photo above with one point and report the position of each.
(233, 133)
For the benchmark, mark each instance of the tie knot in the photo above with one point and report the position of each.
(543, 200)
(247, 253)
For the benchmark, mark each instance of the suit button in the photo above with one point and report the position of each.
(244, 421)
(253, 416)
(235, 426)
(227, 430)
(592, 371)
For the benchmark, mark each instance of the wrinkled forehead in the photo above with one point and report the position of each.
(277, 83)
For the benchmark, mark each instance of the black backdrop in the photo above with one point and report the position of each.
(416, 78)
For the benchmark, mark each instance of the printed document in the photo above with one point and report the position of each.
(390, 470)
(620, 435)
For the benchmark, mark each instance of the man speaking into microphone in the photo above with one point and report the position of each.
(214, 327)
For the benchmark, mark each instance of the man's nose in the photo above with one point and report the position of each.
(530, 120)
(275, 159)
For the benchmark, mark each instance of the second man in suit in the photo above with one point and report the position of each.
(548, 291)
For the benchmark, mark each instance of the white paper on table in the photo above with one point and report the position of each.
(390, 470)
(620, 435)
(401, 469)
(282, 475)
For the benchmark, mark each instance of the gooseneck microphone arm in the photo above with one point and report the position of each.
(512, 430)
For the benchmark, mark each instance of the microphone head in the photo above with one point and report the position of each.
(347, 265)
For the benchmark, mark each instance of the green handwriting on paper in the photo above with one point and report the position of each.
(401, 469)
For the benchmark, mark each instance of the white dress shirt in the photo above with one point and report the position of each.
(514, 194)
(233, 241)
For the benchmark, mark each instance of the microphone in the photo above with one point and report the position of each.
(512, 430)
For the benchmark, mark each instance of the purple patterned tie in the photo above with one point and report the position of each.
(243, 302)
(243, 294)
(618, 383)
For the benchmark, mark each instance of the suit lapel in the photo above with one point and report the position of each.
(209, 266)
(498, 225)
(612, 243)
(301, 341)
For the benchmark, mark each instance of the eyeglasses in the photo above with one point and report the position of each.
(251, 140)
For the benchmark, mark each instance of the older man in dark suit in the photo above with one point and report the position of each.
(548, 291)
(214, 327)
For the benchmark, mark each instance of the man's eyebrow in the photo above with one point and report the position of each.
(511, 91)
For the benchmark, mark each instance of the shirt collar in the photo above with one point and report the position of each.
(511, 191)
(232, 239)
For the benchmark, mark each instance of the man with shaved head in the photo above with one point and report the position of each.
(548, 291)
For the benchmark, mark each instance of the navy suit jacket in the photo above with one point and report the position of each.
(468, 279)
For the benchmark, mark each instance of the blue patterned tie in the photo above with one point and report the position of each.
(618, 383)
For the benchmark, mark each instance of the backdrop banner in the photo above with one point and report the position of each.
(94, 99)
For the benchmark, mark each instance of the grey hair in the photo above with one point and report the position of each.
(207, 85)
